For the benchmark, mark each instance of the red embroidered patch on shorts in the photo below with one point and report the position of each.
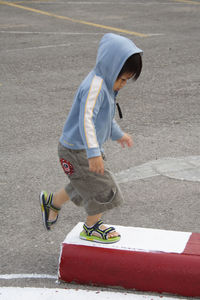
(67, 166)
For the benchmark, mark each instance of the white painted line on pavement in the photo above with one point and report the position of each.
(182, 168)
(17, 293)
(27, 276)
(64, 33)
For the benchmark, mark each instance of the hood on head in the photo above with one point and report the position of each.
(113, 51)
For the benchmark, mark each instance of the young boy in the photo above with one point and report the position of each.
(89, 124)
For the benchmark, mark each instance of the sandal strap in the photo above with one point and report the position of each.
(52, 222)
(50, 205)
(89, 230)
(95, 228)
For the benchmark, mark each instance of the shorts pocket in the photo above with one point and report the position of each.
(106, 197)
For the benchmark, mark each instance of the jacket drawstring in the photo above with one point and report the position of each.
(119, 111)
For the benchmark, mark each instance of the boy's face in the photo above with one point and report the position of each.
(121, 81)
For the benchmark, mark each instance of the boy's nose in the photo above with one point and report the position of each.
(124, 83)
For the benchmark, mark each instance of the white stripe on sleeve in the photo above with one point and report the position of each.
(88, 114)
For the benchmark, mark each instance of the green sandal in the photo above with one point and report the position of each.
(46, 205)
(86, 234)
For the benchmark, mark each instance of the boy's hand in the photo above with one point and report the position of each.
(126, 140)
(96, 165)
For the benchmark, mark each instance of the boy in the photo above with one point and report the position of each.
(89, 124)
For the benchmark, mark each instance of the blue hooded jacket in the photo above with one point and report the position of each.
(91, 119)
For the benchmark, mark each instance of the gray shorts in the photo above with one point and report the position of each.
(96, 193)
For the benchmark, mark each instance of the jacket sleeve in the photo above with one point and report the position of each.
(90, 105)
(116, 132)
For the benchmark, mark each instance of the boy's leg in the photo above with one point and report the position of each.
(59, 199)
(91, 220)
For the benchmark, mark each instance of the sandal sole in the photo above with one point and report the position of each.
(96, 239)
(43, 210)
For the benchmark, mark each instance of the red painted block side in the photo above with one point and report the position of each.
(144, 271)
(193, 245)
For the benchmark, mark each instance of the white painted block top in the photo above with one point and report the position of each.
(137, 239)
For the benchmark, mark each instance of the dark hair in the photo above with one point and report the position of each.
(133, 65)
